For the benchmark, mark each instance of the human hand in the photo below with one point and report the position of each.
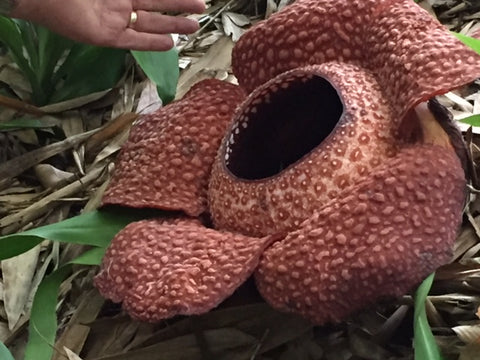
(107, 22)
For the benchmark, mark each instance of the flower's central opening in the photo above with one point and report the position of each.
(281, 125)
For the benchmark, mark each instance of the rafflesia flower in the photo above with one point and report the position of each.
(335, 183)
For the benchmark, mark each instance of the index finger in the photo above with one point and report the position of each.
(190, 6)
(134, 40)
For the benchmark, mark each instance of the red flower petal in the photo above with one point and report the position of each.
(413, 56)
(378, 239)
(167, 159)
(160, 269)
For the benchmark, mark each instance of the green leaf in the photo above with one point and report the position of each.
(43, 319)
(91, 257)
(11, 37)
(28, 123)
(424, 343)
(473, 120)
(51, 48)
(469, 41)
(162, 69)
(4, 353)
(96, 228)
(88, 69)
(29, 38)
(57, 68)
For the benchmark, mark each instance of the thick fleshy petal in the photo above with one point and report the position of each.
(296, 143)
(378, 239)
(167, 159)
(305, 33)
(413, 56)
(160, 269)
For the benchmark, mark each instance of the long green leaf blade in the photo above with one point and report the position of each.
(11, 37)
(96, 228)
(424, 343)
(26, 122)
(473, 120)
(43, 319)
(51, 48)
(29, 40)
(4, 353)
(469, 41)
(162, 69)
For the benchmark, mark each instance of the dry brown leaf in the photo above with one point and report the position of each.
(16, 166)
(110, 130)
(113, 146)
(460, 102)
(76, 332)
(110, 336)
(128, 95)
(17, 220)
(233, 24)
(470, 254)
(218, 344)
(39, 275)
(18, 273)
(208, 39)
(362, 346)
(95, 200)
(149, 100)
(17, 190)
(15, 202)
(49, 176)
(434, 317)
(218, 58)
(383, 332)
(428, 6)
(72, 124)
(70, 354)
(3, 314)
(469, 334)
(73, 103)
(26, 136)
(470, 352)
(16, 81)
(284, 3)
(476, 102)
(4, 331)
(271, 8)
(465, 241)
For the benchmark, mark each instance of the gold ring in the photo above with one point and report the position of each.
(133, 18)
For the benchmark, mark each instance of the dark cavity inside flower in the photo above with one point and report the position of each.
(285, 124)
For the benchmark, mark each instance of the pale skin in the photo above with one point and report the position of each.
(107, 22)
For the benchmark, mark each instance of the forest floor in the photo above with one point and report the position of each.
(92, 328)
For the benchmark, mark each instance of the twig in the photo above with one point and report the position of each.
(113, 128)
(199, 31)
(34, 211)
(472, 222)
(19, 164)
(20, 106)
(259, 345)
